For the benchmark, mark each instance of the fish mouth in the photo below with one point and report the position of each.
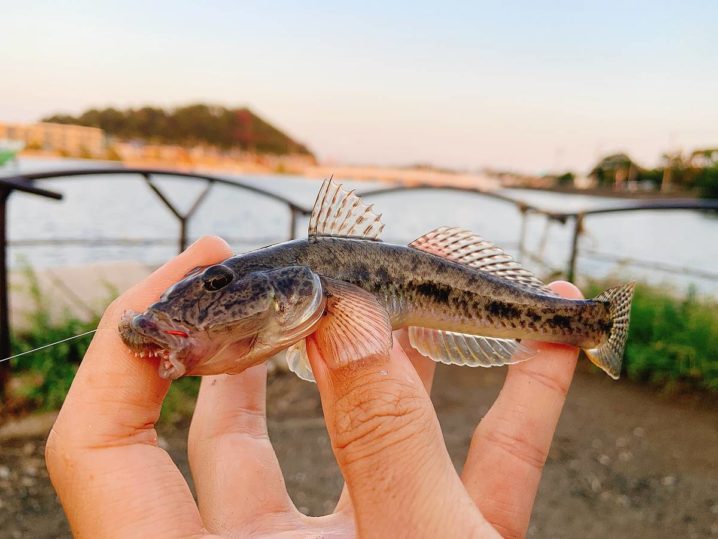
(150, 338)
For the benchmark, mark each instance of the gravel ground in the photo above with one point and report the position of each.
(626, 462)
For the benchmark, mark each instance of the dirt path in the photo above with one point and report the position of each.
(625, 461)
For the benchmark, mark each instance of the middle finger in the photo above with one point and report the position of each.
(425, 368)
(235, 469)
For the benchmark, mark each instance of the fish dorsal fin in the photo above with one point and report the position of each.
(465, 247)
(338, 212)
(470, 350)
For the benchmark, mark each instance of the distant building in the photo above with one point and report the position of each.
(73, 140)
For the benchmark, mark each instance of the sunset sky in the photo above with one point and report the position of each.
(522, 85)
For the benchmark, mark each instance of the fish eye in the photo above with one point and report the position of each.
(217, 277)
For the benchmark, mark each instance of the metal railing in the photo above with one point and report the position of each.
(25, 183)
(7, 187)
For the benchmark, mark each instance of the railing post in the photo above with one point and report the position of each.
(4, 306)
(7, 186)
(183, 234)
(577, 230)
(522, 234)
(292, 223)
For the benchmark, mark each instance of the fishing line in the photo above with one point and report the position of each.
(48, 345)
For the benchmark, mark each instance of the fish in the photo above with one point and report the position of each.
(463, 300)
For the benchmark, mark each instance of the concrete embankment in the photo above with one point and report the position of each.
(80, 292)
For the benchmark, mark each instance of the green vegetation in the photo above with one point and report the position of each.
(45, 377)
(7, 155)
(707, 182)
(672, 341)
(614, 166)
(41, 380)
(189, 125)
(180, 400)
(695, 172)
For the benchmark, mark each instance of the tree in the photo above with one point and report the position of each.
(675, 170)
(198, 123)
(565, 179)
(707, 181)
(614, 169)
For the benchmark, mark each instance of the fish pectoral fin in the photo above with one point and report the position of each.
(355, 325)
(470, 350)
(298, 361)
(338, 212)
(464, 247)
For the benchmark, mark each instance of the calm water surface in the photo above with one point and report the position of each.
(104, 210)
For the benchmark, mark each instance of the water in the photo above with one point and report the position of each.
(104, 210)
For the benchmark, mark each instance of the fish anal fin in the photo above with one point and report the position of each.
(464, 247)
(338, 212)
(355, 325)
(469, 350)
(298, 361)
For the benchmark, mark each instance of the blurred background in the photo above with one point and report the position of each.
(581, 137)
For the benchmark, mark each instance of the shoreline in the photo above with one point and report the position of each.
(394, 175)
(609, 193)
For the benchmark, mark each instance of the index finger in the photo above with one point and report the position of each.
(510, 445)
(102, 452)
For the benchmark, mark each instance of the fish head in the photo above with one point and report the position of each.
(219, 320)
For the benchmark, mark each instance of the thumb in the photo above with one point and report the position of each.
(389, 447)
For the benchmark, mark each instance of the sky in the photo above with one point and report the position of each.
(516, 85)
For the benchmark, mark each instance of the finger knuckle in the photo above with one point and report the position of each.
(554, 383)
(376, 415)
(236, 428)
(113, 312)
(59, 458)
(515, 444)
(114, 308)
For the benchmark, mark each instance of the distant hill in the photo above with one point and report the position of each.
(189, 125)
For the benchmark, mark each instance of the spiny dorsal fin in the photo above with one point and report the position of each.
(465, 247)
(470, 350)
(338, 212)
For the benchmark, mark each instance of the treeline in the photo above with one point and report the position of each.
(189, 125)
(696, 171)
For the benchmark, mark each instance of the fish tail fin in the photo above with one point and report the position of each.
(609, 355)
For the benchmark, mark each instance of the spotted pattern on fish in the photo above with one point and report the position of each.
(438, 293)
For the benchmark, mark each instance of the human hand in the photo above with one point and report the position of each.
(388, 442)
(113, 479)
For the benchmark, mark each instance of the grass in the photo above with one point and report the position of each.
(41, 380)
(180, 400)
(673, 342)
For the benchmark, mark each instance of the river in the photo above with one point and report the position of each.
(124, 208)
